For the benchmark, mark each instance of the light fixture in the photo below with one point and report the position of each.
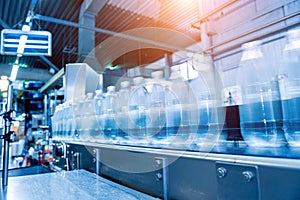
(3, 78)
(26, 28)
(22, 43)
(14, 72)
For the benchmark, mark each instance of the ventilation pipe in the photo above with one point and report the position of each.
(86, 37)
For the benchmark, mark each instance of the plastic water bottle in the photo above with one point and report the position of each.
(156, 128)
(138, 112)
(178, 125)
(289, 81)
(89, 118)
(98, 101)
(121, 107)
(110, 129)
(79, 114)
(260, 112)
(173, 113)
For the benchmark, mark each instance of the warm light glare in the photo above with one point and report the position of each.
(14, 72)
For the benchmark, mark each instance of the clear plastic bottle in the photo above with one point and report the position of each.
(60, 121)
(179, 107)
(260, 112)
(79, 114)
(98, 101)
(122, 100)
(207, 119)
(156, 128)
(72, 119)
(110, 129)
(289, 81)
(173, 113)
(89, 118)
(138, 112)
(56, 122)
(67, 120)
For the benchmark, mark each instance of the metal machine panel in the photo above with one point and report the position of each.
(134, 169)
(237, 181)
(192, 179)
(279, 183)
(170, 174)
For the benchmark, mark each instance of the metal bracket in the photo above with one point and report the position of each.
(97, 160)
(237, 181)
(76, 160)
(10, 137)
(162, 174)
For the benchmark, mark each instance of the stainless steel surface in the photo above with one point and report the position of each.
(192, 177)
(241, 182)
(77, 184)
(246, 159)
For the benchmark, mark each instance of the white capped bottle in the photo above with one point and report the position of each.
(289, 81)
(260, 111)
(110, 129)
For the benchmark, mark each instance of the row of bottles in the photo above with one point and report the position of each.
(157, 111)
(148, 112)
(269, 113)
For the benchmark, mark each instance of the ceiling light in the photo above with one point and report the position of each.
(3, 85)
(22, 43)
(14, 72)
(4, 78)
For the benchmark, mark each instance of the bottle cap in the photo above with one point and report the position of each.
(157, 74)
(124, 84)
(111, 88)
(138, 80)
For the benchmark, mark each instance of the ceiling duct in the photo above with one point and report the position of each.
(86, 37)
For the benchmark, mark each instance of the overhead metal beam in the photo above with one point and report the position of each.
(52, 81)
(47, 61)
(3, 24)
(27, 73)
(108, 32)
(92, 7)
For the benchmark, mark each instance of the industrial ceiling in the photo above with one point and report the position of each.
(63, 18)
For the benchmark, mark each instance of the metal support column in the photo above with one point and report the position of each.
(6, 135)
